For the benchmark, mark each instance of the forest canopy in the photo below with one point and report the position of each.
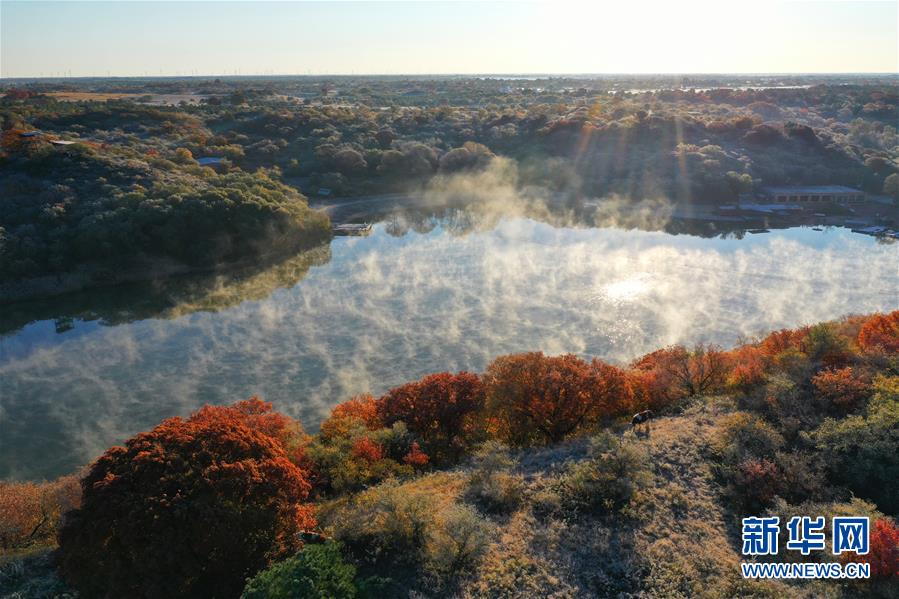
(113, 209)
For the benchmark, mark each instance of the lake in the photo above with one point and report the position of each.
(80, 373)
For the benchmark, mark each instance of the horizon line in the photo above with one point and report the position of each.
(544, 75)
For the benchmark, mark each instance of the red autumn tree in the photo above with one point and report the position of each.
(367, 450)
(783, 340)
(880, 332)
(532, 398)
(416, 457)
(190, 508)
(747, 368)
(439, 409)
(358, 413)
(675, 371)
(258, 415)
(883, 551)
(841, 389)
(30, 512)
(756, 482)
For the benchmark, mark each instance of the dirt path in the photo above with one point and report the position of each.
(685, 541)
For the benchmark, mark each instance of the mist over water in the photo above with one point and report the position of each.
(385, 309)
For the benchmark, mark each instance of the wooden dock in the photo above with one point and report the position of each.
(354, 229)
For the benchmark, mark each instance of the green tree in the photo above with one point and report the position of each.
(891, 186)
(318, 571)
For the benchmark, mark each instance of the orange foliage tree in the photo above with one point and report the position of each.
(367, 450)
(673, 372)
(258, 415)
(880, 332)
(532, 398)
(416, 457)
(358, 413)
(190, 508)
(783, 340)
(439, 409)
(30, 512)
(747, 368)
(841, 388)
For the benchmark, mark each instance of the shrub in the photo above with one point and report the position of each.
(881, 333)
(842, 389)
(385, 526)
(457, 542)
(439, 410)
(860, 451)
(781, 341)
(364, 458)
(605, 481)
(883, 554)
(491, 484)
(794, 476)
(756, 482)
(803, 477)
(405, 531)
(823, 344)
(781, 400)
(30, 513)
(416, 457)
(743, 436)
(367, 450)
(748, 371)
(532, 398)
(190, 508)
(317, 571)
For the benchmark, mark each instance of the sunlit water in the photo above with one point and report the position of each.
(385, 309)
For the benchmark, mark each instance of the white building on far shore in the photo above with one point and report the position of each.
(814, 193)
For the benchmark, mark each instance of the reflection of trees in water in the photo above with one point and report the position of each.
(177, 296)
(455, 221)
(166, 298)
(460, 221)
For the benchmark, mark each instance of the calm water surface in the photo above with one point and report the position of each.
(83, 372)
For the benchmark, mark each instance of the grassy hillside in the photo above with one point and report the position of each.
(678, 535)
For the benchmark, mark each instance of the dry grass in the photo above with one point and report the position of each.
(673, 540)
(677, 537)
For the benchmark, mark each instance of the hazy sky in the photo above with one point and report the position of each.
(80, 38)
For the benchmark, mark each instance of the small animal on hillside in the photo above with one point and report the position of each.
(641, 418)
